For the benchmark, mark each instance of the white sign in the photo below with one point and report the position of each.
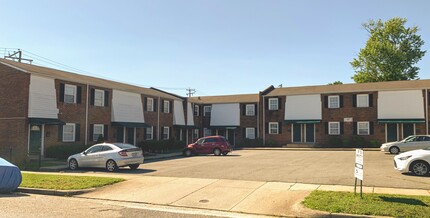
(358, 170)
(347, 119)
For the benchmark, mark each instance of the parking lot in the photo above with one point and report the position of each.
(314, 167)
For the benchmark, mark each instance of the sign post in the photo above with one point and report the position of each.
(358, 170)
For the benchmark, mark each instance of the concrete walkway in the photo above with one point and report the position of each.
(250, 197)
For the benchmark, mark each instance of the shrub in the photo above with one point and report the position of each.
(62, 152)
(359, 142)
(271, 143)
(250, 143)
(160, 146)
(335, 141)
(374, 143)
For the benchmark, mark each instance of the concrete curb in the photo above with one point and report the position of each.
(54, 192)
(308, 149)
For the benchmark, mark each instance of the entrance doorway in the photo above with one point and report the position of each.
(392, 132)
(303, 133)
(35, 144)
(408, 129)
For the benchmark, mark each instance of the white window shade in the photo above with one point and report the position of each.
(303, 107)
(178, 113)
(127, 107)
(190, 115)
(225, 115)
(42, 98)
(401, 104)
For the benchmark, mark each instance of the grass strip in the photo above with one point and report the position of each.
(371, 204)
(65, 182)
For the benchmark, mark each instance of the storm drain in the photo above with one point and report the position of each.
(204, 201)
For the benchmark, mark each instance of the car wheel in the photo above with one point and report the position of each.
(134, 166)
(225, 153)
(420, 168)
(217, 152)
(111, 166)
(73, 164)
(394, 150)
(187, 153)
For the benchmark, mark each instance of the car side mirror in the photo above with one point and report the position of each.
(85, 153)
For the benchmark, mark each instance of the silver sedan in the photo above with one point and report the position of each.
(109, 156)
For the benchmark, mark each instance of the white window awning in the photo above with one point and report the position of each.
(303, 107)
(401, 104)
(190, 115)
(42, 98)
(178, 113)
(226, 115)
(127, 107)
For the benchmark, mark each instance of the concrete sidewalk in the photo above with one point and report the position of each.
(250, 197)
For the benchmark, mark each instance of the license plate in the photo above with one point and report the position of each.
(134, 154)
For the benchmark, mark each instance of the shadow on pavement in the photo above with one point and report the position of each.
(120, 170)
(409, 201)
(13, 195)
(412, 175)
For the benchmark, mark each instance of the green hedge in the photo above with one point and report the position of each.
(62, 152)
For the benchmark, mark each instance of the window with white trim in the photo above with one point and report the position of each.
(149, 104)
(250, 110)
(273, 127)
(334, 128)
(98, 130)
(99, 97)
(166, 131)
(207, 132)
(196, 110)
(273, 104)
(149, 133)
(207, 111)
(333, 101)
(69, 93)
(250, 133)
(363, 100)
(69, 132)
(363, 128)
(166, 107)
(195, 134)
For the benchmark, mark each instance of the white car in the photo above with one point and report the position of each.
(109, 156)
(417, 162)
(410, 143)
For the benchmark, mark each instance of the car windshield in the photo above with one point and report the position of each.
(200, 141)
(409, 139)
(124, 146)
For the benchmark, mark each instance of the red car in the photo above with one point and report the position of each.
(207, 145)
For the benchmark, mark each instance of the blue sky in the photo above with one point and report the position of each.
(217, 47)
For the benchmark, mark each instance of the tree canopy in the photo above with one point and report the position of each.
(391, 52)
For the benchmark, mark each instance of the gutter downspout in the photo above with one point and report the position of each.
(264, 120)
(158, 118)
(86, 117)
(427, 111)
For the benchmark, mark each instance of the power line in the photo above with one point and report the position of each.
(190, 92)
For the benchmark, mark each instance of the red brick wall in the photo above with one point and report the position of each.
(14, 89)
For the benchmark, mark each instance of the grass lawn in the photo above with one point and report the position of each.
(64, 182)
(371, 204)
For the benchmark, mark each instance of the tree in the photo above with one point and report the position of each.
(390, 53)
(335, 83)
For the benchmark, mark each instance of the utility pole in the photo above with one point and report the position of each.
(14, 57)
(190, 92)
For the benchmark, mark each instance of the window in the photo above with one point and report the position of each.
(97, 131)
(334, 128)
(99, 98)
(149, 133)
(196, 110)
(69, 132)
(196, 133)
(69, 93)
(250, 133)
(333, 101)
(207, 132)
(273, 127)
(166, 132)
(363, 128)
(207, 111)
(94, 149)
(166, 108)
(150, 104)
(363, 100)
(107, 148)
(273, 104)
(250, 110)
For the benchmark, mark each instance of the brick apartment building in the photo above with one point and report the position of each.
(42, 107)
